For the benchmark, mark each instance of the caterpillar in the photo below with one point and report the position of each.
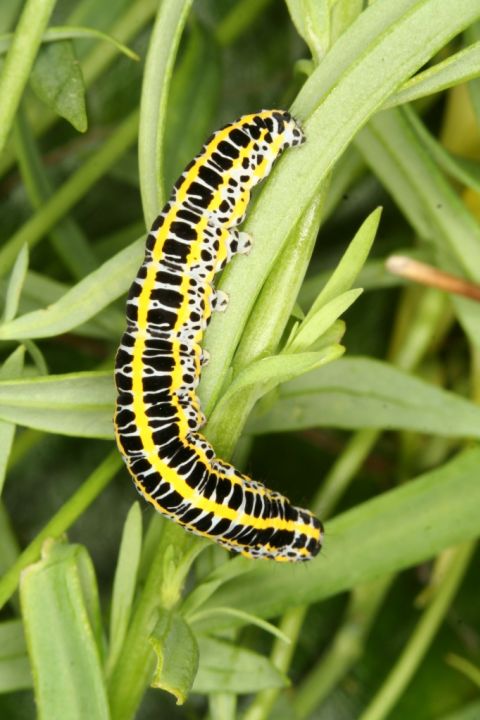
(158, 363)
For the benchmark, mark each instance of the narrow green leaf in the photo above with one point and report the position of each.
(162, 50)
(58, 82)
(225, 667)
(372, 276)
(177, 655)
(15, 674)
(83, 301)
(465, 170)
(37, 357)
(67, 674)
(335, 298)
(13, 365)
(162, 586)
(89, 592)
(360, 392)
(40, 291)
(351, 263)
(215, 579)
(246, 617)
(73, 404)
(343, 14)
(260, 377)
(9, 547)
(15, 671)
(125, 581)
(312, 20)
(269, 372)
(319, 321)
(69, 32)
(458, 68)
(273, 308)
(15, 285)
(11, 368)
(20, 58)
(401, 528)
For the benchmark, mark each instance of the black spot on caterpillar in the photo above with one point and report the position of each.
(158, 363)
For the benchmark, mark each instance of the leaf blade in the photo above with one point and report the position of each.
(358, 392)
(73, 404)
(59, 638)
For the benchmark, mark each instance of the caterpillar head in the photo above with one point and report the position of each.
(281, 122)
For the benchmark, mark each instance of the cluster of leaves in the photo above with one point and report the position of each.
(84, 638)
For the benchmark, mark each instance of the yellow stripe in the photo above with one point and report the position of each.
(242, 547)
(166, 472)
(149, 281)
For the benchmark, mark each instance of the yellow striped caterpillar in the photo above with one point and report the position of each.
(159, 360)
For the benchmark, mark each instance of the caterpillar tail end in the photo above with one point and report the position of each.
(305, 545)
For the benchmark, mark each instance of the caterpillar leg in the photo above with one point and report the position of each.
(193, 417)
(219, 301)
(240, 242)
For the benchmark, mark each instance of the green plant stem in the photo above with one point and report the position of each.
(19, 60)
(421, 638)
(61, 521)
(420, 314)
(70, 192)
(222, 706)
(275, 303)
(162, 50)
(281, 656)
(346, 649)
(163, 586)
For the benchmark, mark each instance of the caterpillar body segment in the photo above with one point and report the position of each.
(159, 360)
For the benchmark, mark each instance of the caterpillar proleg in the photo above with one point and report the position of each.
(159, 360)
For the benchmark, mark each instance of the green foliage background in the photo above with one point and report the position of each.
(99, 597)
